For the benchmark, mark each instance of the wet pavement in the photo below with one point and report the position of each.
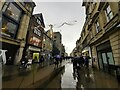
(27, 78)
(87, 78)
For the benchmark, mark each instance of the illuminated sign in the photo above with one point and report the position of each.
(35, 41)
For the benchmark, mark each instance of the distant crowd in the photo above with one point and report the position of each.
(57, 60)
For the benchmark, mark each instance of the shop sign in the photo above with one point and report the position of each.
(37, 31)
(35, 41)
(3, 56)
(34, 48)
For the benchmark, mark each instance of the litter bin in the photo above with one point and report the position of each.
(118, 73)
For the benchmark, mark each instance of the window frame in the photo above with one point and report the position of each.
(10, 19)
(97, 26)
(7, 5)
(16, 29)
(108, 12)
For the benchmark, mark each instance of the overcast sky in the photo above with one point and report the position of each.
(60, 12)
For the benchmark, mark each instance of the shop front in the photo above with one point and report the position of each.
(10, 52)
(105, 57)
(34, 52)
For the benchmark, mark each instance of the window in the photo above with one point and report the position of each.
(10, 19)
(108, 13)
(13, 11)
(97, 26)
(8, 28)
(38, 21)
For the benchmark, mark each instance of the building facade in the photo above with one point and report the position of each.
(35, 36)
(57, 39)
(15, 21)
(63, 50)
(100, 35)
(47, 47)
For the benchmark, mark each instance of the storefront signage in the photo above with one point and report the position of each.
(34, 48)
(3, 56)
(35, 41)
(37, 31)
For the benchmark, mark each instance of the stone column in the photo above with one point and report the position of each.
(115, 44)
(22, 36)
(94, 55)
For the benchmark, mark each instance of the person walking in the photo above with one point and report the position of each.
(61, 58)
(87, 61)
(75, 60)
(81, 61)
(57, 58)
(41, 60)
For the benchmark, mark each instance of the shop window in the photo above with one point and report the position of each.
(12, 11)
(8, 28)
(108, 13)
(97, 26)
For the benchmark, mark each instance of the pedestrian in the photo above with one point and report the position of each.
(41, 60)
(34, 60)
(75, 60)
(87, 61)
(81, 61)
(57, 57)
(24, 62)
(61, 60)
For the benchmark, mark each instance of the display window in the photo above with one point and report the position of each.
(13, 12)
(9, 28)
(10, 19)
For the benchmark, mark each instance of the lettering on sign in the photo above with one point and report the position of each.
(37, 31)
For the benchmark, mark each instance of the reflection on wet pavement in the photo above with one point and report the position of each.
(87, 78)
(67, 78)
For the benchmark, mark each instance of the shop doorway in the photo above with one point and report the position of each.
(36, 56)
(108, 61)
(105, 57)
(11, 52)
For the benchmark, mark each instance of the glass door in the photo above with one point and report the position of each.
(105, 62)
(111, 63)
(110, 58)
(100, 60)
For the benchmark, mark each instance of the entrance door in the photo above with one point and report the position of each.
(110, 58)
(108, 61)
(105, 62)
(100, 61)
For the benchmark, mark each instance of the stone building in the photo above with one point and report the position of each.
(15, 21)
(100, 35)
(57, 40)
